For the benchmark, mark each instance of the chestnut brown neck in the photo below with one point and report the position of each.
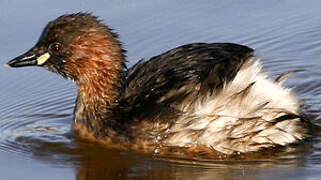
(97, 64)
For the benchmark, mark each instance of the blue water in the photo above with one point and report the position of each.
(36, 141)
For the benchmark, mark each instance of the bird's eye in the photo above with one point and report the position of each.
(55, 47)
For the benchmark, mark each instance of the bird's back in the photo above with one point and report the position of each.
(180, 76)
(213, 96)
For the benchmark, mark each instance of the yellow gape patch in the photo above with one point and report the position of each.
(43, 58)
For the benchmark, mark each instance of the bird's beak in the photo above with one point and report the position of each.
(30, 58)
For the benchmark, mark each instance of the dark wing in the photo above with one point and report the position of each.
(168, 79)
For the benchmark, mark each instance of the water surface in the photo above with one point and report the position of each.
(36, 140)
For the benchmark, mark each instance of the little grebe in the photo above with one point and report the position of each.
(199, 97)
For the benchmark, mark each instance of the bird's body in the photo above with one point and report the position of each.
(199, 97)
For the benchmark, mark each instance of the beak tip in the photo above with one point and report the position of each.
(7, 65)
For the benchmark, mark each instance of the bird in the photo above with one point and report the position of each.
(198, 98)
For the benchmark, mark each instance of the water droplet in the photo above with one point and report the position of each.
(238, 153)
(168, 130)
(156, 151)
(158, 139)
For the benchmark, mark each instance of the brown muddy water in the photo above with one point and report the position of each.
(36, 140)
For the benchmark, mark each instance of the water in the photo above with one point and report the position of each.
(36, 140)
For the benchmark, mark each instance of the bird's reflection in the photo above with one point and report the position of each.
(92, 161)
